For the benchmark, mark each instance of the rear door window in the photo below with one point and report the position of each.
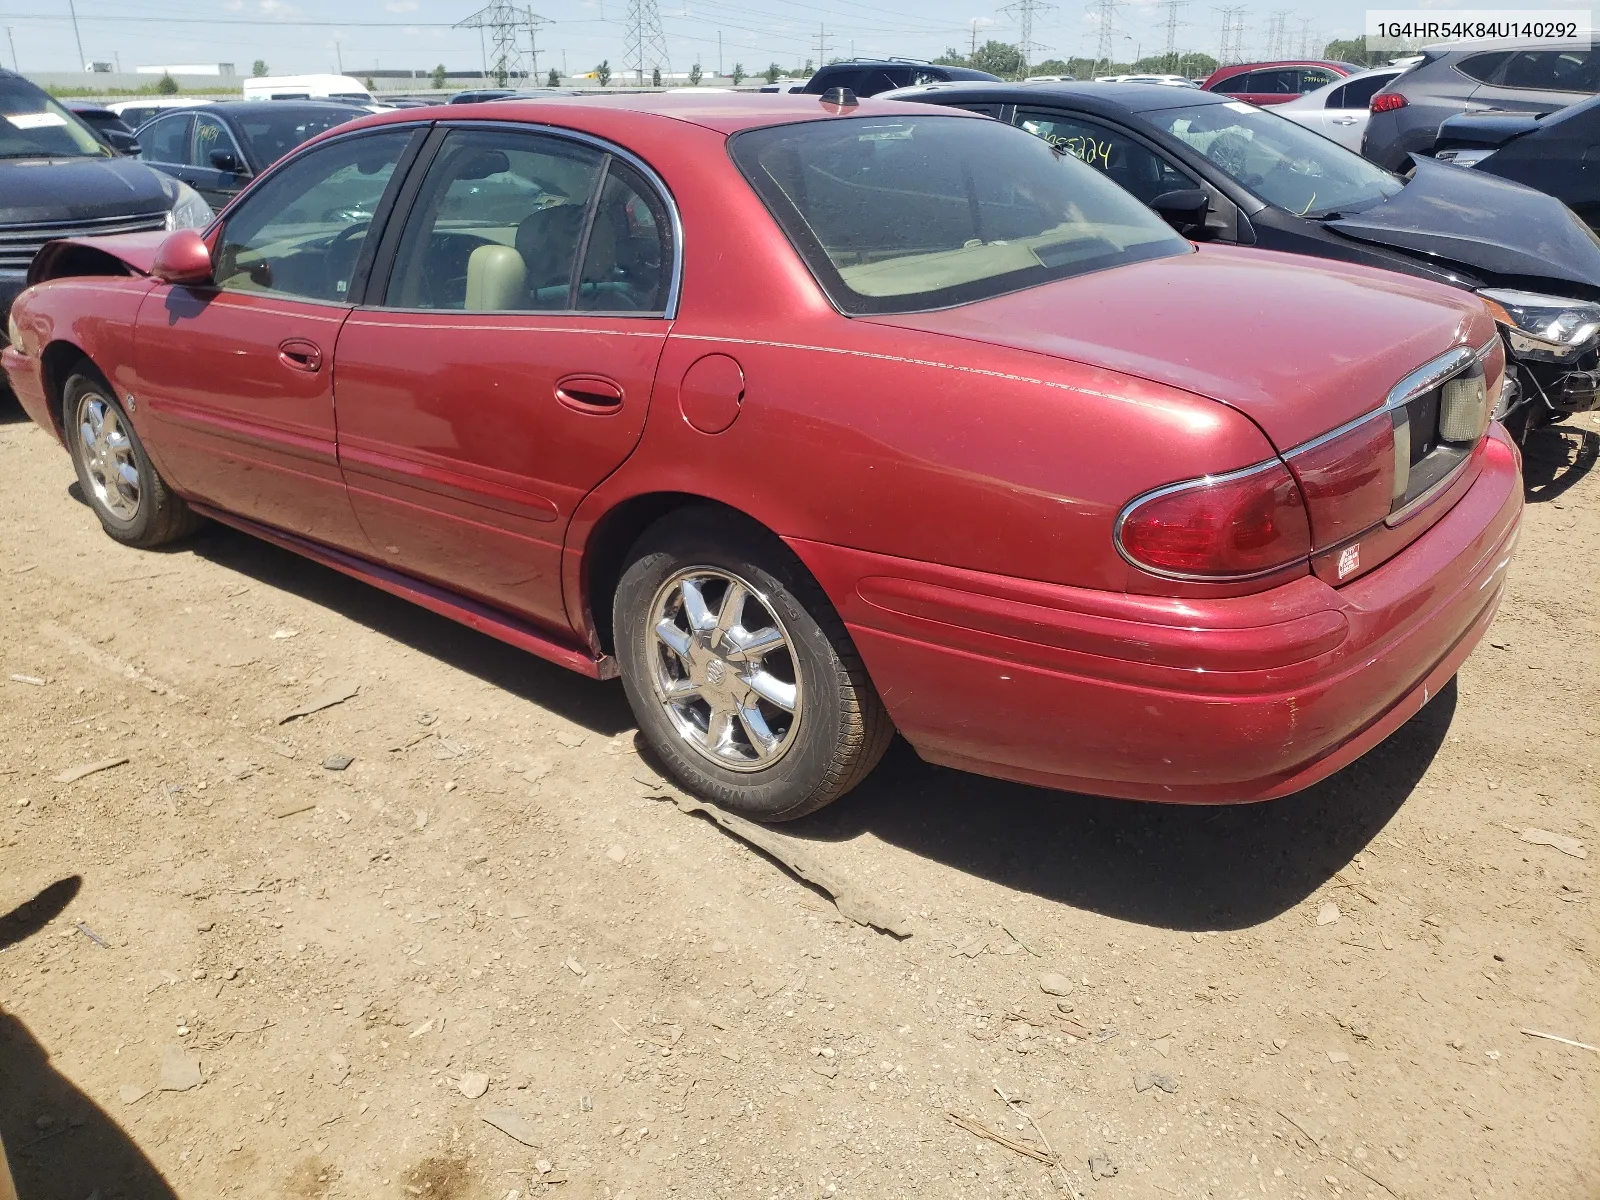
(1359, 94)
(1550, 70)
(211, 134)
(1311, 78)
(1238, 85)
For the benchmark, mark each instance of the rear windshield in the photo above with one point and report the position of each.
(909, 214)
(32, 125)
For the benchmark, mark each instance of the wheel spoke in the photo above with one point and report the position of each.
(701, 619)
(773, 690)
(95, 413)
(753, 647)
(731, 611)
(680, 691)
(719, 729)
(761, 735)
(675, 639)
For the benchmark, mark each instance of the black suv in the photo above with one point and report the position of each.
(58, 180)
(869, 76)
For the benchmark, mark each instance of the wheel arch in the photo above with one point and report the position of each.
(604, 552)
(56, 363)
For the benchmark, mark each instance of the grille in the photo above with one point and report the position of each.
(19, 243)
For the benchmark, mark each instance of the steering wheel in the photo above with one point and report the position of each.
(1229, 151)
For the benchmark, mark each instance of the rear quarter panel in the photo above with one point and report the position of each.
(897, 441)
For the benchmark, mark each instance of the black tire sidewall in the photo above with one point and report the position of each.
(788, 787)
(135, 531)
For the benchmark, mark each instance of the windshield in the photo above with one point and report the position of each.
(273, 134)
(916, 213)
(1282, 163)
(32, 125)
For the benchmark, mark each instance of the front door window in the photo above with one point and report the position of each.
(301, 232)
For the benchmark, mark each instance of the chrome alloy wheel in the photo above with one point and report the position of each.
(108, 457)
(724, 670)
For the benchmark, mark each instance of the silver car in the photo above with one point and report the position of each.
(1338, 110)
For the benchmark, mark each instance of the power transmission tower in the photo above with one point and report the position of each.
(971, 53)
(1105, 15)
(1025, 11)
(646, 51)
(1231, 47)
(1305, 37)
(1171, 56)
(502, 20)
(1278, 37)
(822, 48)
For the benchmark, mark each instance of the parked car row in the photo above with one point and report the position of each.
(819, 419)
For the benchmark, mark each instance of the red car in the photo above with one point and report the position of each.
(815, 421)
(1275, 82)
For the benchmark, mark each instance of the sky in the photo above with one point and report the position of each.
(295, 36)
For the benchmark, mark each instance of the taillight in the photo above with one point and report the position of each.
(1347, 478)
(1219, 528)
(1387, 102)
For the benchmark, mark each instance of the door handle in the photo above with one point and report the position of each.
(300, 355)
(1345, 120)
(589, 394)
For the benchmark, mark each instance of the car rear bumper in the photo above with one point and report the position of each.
(27, 383)
(1197, 701)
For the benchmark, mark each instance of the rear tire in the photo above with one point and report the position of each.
(743, 678)
(133, 502)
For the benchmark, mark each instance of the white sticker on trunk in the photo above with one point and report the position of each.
(44, 120)
(1349, 560)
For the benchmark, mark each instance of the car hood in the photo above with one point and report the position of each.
(1484, 129)
(1482, 222)
(36, 190)
(1298, 347)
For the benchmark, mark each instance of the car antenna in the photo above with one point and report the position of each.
(841, 96)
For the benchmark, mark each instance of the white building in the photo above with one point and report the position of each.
(219, 69)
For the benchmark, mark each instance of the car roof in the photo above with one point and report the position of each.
(1233, 69)
(1090, 96)
(723, 112)
(245, 108)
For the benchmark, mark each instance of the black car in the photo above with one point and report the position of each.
(58, 180)
(479, 95)
(216, 149)
(1224, 171)
(1555, 154)
(106, 125)
(870, 76)
(1406, 115)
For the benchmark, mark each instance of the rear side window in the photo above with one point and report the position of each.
(1238, 84)
(911, 214)
(1311, 78)
(1550, 70)
(1360, 93)
(1131, 164)
(1483, 67)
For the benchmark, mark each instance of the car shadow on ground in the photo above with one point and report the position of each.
(598, 706)
(1169, 865)
(1555, 458)
(61, 1145)
(10, 407)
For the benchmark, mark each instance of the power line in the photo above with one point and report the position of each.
(502, 20)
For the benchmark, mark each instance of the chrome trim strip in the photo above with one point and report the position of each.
(1337, 432)
(1183, 486)
(1430, 375)
(1487, 348)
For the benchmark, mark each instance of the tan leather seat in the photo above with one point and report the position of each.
(497, 280)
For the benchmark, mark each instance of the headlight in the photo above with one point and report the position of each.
(1545, 328)
(1463, 158)
(189, 210)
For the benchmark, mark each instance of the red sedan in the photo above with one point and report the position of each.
(815, 421)
(1275, 82)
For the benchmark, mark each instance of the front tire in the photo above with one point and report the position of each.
(742, 676)
(133, 502)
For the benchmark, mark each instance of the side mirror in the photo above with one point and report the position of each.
(184, 258)
(1184, 210)
(226, 160)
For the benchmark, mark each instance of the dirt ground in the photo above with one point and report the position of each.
(484, 961)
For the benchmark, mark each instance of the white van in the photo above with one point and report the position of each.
(307, 87)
